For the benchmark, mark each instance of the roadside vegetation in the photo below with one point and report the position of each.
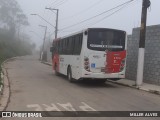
(13, 42)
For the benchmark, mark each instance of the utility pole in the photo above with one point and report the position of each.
(140, 68)
(57, 14)
(42, 53)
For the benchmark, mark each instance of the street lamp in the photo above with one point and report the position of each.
(56, 28)
(43, 19)
(42, 53)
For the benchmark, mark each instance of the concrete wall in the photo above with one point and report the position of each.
(152, 55)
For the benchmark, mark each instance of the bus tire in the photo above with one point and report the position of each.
(69, 74)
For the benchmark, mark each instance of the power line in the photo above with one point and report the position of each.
(80, 12)
(62, 31)
(102, 18)
(52, 2)
(56, 4)
(61, 3)
(109, 15)
(96, 15)
(105, 17)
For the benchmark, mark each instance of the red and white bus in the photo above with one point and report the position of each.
(96, 53)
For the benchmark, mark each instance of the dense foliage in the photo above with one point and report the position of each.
(12, 21)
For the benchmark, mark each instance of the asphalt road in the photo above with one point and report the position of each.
(34, 86)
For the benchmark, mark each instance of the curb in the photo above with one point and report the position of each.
(123, 84)
(5, 88)
(46, 63)
(136, 87)
(151, 91)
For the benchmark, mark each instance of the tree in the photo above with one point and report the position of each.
(12, 16)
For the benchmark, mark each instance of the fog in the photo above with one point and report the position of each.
(75, 11)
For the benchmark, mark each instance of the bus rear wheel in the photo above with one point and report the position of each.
(69, 75)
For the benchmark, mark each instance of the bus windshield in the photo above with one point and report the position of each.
(106, 39)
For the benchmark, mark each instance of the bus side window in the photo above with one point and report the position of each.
(70, 46)
(67, 46)
(67, 41)
(78, 44)
(73, 45)
(58, 46)
(63, 46)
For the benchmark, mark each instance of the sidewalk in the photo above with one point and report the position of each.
(145, 86)
(130, 83)
(47, 63)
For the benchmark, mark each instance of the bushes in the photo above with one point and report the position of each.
(11, 47)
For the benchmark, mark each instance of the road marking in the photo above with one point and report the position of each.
(36, 106)
(51, 108)
(67, 106)
(86, 107)
(60, 107)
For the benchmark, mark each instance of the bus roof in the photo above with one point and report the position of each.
(70, 35)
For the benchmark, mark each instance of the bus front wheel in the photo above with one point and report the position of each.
(69, 74)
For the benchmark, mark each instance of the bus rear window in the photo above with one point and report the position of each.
(103, 39)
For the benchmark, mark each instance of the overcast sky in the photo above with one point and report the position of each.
(74, 11)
